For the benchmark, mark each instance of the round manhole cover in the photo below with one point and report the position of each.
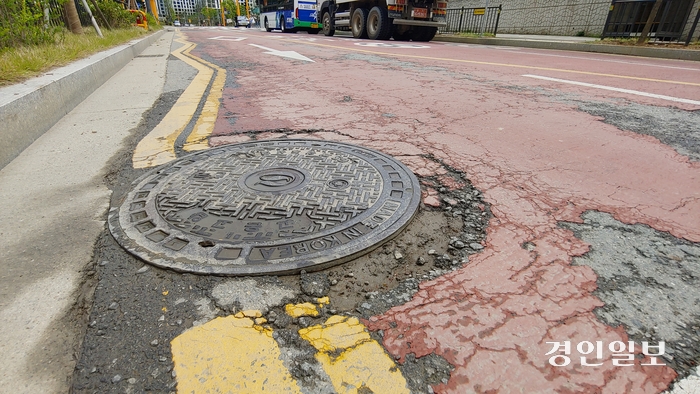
(267, 207)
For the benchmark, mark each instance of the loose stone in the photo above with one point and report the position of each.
(476, 246)
(142, 269)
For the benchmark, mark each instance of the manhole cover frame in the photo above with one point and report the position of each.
(194, 258)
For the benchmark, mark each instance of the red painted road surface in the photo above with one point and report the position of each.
(537, 159)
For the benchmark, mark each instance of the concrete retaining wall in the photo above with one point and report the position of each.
(29, 109)
(555, 17)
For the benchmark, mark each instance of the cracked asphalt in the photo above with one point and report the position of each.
(549, 214)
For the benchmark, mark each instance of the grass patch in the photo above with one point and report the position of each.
(21, 63)
(475, 35)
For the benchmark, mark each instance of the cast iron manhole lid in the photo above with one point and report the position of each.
(266, 207)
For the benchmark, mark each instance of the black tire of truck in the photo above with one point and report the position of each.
(328, 29)
(378, 24)
(358, 23)
(424, 33)
(401, 33)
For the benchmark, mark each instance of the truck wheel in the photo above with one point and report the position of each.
(328, 29)
(424, 33)
(401, 33)
(378, 24)
(358, 23)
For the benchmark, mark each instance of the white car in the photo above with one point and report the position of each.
(176, 23)
(242, 20)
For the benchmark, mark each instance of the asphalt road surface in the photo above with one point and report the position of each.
(559, 223)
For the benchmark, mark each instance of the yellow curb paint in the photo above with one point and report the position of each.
(323, 301)
(230, 355)
(158, 147)
(299, 310)
(362, 366)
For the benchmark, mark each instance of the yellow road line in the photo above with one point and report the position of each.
(158, 147)
(495, 64)
(361, 362)
(199, 137)
(352, 359)
(237, 354)
(230, 355)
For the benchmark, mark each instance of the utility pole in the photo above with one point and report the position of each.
(223, 17)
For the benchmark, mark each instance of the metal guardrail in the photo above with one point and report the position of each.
(627, 18)
(472, 20)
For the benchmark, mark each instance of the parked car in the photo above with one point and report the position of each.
(176, 23)
(241, 21)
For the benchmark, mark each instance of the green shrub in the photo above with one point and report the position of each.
(22, 23)
(153, 24)
(115, 14)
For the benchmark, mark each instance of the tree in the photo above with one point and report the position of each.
(231, 8)
(209, 14)
(72, 17)
(169, 11)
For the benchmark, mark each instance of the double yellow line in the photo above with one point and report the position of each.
(158, 147)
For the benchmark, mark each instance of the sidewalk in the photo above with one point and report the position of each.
(53, 204)
(30, 108)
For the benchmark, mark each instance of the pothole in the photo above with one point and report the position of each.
(162, 304)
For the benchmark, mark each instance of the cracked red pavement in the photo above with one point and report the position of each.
(538, 161)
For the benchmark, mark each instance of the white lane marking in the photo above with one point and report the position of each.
(289, 54)
(385, 45)
(225, 38)
(636, 92)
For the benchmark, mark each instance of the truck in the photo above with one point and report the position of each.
(402, 20)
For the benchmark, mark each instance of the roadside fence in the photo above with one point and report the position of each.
(472, 20)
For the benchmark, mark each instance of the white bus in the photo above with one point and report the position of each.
(289, 16)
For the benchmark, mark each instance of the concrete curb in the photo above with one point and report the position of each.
(29, 109)
(665, 53)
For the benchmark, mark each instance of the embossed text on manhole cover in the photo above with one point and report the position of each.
(266, 207)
